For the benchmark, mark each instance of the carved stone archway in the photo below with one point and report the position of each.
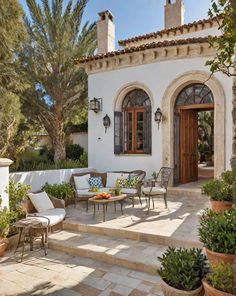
(168, 105)
(124, 90)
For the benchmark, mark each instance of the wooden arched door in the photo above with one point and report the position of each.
(191, 100)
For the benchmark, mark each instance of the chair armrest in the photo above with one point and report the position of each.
(58, 203)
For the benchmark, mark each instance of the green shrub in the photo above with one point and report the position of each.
(84, 160)
(64, 164)
(6, 219)
(74, 151)
(183, 269)
(217, 231)
(62, 191)
(228, 177)
(17, 192)
(222, 278)
(48, 153)
(218, 190)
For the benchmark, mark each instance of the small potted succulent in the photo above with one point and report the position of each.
(182, 272)
(217, 232)
(220, 193)
(220, 282)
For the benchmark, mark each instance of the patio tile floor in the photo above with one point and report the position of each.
(178, 222)
(60, 274)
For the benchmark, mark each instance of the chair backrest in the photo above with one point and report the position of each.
(136, 173)
(164, 176)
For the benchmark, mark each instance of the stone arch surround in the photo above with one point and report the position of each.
(125, 89)
(168, 105)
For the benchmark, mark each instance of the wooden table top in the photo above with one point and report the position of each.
(111, 199)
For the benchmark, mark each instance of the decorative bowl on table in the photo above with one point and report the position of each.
(103, 195)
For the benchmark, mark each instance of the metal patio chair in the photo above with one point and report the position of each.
(155, 188)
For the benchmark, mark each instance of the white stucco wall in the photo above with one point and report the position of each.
(4, 182)
(156, 77)
(36, 179)
(81, 139)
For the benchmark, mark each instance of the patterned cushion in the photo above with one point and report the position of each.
(95, 182)
(132, 182)
(121, 182)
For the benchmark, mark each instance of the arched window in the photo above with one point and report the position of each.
(195, 94)
(133, 124)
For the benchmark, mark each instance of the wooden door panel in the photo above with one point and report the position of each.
(188, 146)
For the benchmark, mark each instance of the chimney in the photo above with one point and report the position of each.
(174, 13)
(105, 32)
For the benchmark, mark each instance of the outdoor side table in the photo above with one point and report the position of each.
(27, 228)
(104, 202)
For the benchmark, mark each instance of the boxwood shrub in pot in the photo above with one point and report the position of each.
(182, 271)
(220, 281)
(217, 232)
(220, 193)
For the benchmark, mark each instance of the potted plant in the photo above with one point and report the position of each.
(220, 282)
(217, 232)
(220, 193)
(5, 220)
(63, 191)
(182, 271)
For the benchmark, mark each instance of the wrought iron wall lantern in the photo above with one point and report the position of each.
(158, 116)
(106, 122)
(95, 105)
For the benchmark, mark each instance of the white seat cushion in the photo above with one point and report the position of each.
(41, 201)
(82, 182)
(55, 216)
(129, 190)
(112, 178)
(86, 192)
(155, 190)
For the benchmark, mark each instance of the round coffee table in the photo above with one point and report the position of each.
(104, 202)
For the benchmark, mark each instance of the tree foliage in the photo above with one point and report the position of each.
(225, 11)
(11, 85)
(58, 86)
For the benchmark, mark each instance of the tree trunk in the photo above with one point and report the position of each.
(58, 142)
(233, 159)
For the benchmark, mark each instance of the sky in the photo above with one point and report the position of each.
(137, 17)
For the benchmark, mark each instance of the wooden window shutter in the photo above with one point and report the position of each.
(118, 132)
(148, 130)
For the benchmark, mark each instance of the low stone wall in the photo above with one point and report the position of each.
(36, 179)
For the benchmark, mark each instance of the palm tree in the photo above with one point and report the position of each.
(55, 40)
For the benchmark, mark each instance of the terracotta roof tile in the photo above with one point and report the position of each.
(166, 31)
(166, 43)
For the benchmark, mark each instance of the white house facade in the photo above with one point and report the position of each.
(152, 90)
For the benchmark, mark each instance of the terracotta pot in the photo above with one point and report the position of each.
(220, 206)
(170, 291)
(210, 291)
(216, 258)
(3, 245)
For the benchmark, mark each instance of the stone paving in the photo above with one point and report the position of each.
(179, 221)
(61, 274)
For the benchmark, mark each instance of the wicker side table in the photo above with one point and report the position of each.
(28, 228)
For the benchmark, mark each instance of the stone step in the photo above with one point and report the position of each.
(186, 192)
(100, 229)
(141, 256)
